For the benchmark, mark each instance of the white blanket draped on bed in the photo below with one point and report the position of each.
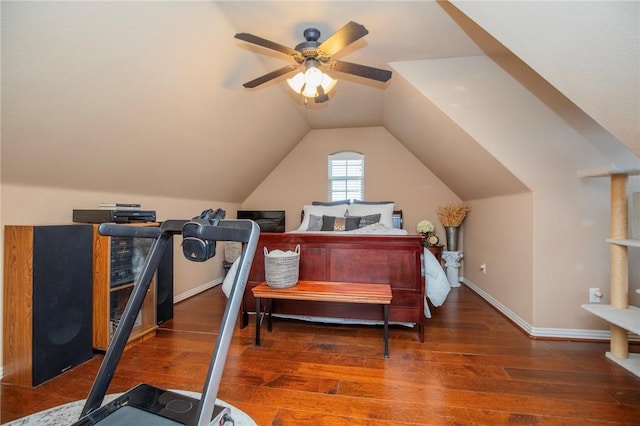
(436, 283)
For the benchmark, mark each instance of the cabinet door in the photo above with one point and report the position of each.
(118, 262)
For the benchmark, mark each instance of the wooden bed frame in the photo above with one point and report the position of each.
(392, 259)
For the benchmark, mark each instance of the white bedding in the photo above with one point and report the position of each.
(436, 283)
(231, 275)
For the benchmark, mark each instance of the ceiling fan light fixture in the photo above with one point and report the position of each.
(313, 75)
(309, 91)
(296, 82)
(312, 82)
(327, 83)
(321, 97)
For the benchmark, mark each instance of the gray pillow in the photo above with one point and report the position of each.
(315, 223)
(369, 219)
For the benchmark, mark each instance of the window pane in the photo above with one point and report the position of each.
(338, 168)
(346, 176)
(354, 168)
(338, 185)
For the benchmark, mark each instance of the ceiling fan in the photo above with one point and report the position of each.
(312, 54)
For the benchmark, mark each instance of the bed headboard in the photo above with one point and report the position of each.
(396, 218)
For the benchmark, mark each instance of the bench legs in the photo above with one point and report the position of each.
(269, 310)
(267, 313)
(385, 309)
(257, 321)
(385, 314)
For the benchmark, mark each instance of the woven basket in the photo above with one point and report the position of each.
(281, 271)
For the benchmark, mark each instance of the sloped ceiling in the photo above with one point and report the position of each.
(450, 153)
(589, 51)
(149, 96)
(139, 95)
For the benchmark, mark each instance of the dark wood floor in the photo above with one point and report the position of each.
(475, 367)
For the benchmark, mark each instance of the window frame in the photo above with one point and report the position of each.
(353, 188)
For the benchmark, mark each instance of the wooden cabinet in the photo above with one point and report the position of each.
(117, 263)
(437, 251)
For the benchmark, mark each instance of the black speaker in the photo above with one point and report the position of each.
(62, 299)
(54, 300)
(164, 286)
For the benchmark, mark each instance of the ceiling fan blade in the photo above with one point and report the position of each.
(342, 38)
(361, 70)
(250, 38)
(270, 76)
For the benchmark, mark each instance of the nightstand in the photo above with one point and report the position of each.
(437, 251)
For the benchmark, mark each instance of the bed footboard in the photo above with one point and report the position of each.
(389, 259)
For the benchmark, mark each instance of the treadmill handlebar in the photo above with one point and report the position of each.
(225, 230)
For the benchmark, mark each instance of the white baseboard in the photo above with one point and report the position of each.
(542, 332)
(187, 294)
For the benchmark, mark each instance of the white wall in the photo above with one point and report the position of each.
(498, 233)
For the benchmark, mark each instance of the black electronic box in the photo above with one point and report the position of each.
(113, 216)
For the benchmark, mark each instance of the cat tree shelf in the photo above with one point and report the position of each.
(628, 318)
(626, 242)
(622, 318)
(608, 171)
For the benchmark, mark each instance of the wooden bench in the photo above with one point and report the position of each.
(327, 291)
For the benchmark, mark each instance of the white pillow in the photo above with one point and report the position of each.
(337, 210)
(232, 250)
(385, 211)
(227, 284)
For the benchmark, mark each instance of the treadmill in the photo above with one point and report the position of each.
(146, 404)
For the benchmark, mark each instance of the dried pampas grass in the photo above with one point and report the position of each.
(452, 215)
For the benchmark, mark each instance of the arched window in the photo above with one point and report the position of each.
(346, 176)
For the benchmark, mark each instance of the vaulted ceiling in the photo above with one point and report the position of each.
(149, 96)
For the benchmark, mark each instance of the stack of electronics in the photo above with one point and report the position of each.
(114, 213)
